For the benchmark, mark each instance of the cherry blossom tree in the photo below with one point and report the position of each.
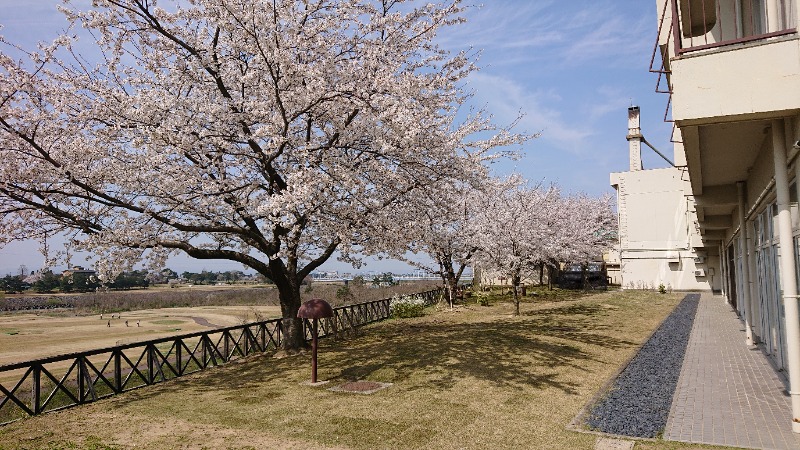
(440, 228)
(271, 133)
(588, 227)
(516, 229)
(525, 227)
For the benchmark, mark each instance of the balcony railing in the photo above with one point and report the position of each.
(703, 24)
(693, 25)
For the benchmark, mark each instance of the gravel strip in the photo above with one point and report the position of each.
(638, 402)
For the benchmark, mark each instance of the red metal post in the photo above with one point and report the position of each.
(314, 351)
(676, 28)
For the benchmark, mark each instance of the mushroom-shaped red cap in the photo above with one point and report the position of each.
(315, 309)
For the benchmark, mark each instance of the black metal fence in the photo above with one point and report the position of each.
(58, 382)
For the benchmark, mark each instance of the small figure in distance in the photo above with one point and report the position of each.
(109, 323)
(126, 323)
(137, 323)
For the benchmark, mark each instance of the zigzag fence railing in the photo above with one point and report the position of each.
(50, 384)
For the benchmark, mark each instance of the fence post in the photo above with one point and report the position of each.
(36, 393)
(150, 368)
(179, 356)
(226, 346)
(81, 380)
(204, 340)
(246, 336)
(118, 370)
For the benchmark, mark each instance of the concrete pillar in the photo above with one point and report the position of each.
(753, 289)
(634, 138)
(745, 295)
(787, 261)
(723, 269)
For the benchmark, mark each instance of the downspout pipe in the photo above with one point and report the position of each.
(788, 269)
(744, 248)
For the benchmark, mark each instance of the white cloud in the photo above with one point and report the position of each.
(570, 33)
(506, 99)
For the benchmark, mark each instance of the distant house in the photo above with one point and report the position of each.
(78, 270)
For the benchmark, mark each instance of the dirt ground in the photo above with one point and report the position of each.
(26, 336)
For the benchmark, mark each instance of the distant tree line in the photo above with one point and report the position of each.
(206, 277)
(47, 281)
(84, 281)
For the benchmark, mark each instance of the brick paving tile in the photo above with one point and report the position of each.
(728, 394)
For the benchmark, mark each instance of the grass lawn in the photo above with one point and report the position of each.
(475, 377)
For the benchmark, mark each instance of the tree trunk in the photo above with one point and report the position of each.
(585, 276)
(515, 282)
(447, 290)
(292, 337)
(449, 277)
(452, 286)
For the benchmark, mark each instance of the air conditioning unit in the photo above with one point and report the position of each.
(700, 260)
(700, 272)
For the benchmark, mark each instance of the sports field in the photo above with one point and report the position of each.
(27, 335)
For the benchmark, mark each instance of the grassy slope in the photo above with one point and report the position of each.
(473, 378)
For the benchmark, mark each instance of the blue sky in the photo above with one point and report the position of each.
(571, 67)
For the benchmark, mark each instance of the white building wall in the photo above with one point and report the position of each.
(657, 231)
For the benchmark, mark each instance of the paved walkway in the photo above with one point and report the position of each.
(728, 394)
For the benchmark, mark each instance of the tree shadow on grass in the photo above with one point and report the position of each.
(528, 351)
(504, 354)
(531, 350)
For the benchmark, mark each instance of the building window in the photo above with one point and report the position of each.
(770, 306)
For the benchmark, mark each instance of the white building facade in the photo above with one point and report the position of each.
(660, 242)
(732, 71)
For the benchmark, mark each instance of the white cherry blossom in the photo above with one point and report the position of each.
(271, 133)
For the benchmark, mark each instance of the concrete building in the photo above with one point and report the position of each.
(732, 72)
(660, 240)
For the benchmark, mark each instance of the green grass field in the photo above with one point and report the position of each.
(474, 377)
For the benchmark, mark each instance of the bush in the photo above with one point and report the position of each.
(343, 294)
(482, 298)
(407, 306)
